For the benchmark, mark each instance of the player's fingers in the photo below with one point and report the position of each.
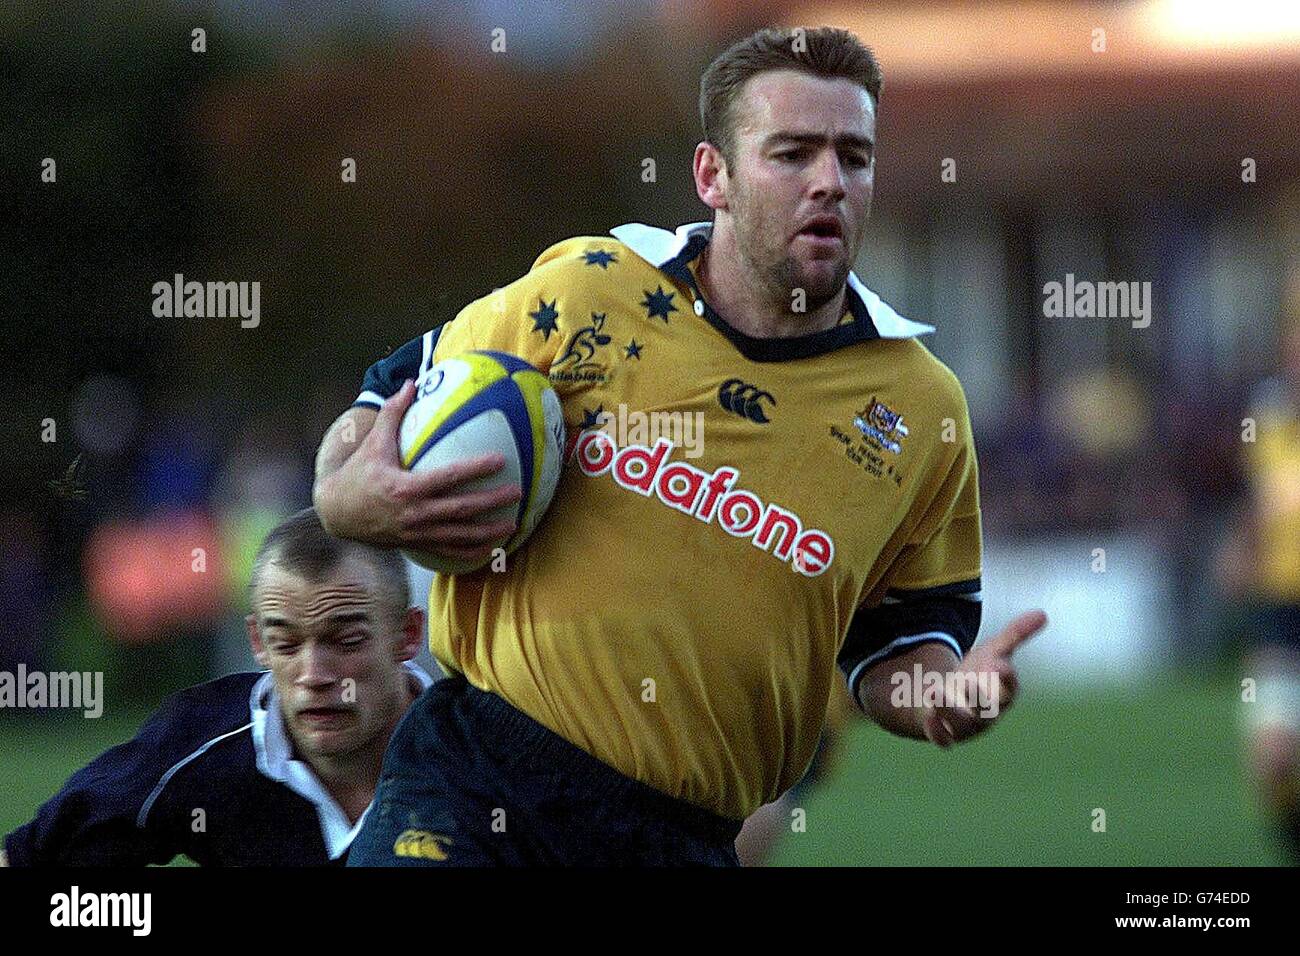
(1017, 632)
(936, 730)
(467, 507)
(992, 683)
(471, 534)
(1006, 685)
(469, 554)
(961, 693)
(389, 419)
(962, 722)
(438, 481)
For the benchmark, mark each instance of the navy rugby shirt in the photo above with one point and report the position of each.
(220, 748)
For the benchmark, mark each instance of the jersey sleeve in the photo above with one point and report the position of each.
(525, 318)
(100, 816)
(932, 592)
(385, 377)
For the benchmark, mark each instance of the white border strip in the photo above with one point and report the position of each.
(940, 636)
(143, 815)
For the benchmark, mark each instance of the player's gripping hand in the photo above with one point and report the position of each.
(962, 718)
(363, 493)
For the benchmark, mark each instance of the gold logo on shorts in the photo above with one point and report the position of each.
(421, 843)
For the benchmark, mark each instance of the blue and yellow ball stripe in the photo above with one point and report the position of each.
(502, 382)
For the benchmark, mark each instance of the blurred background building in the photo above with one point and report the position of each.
(1146, 141)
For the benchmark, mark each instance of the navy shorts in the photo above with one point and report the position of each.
(468, 780)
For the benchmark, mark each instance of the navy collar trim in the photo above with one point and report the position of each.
(672, 254)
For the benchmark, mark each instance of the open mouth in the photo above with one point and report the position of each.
(823, 227)
(324, 715)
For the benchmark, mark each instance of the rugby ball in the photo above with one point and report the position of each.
(477, 403)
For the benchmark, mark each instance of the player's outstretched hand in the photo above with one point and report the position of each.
(987, 685)
(372, 498)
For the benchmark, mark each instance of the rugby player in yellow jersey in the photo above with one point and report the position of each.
(1266, 571)
(655, 663)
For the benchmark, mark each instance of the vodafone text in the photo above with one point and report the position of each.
(704, 495)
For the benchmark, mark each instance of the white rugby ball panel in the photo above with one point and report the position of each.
(484, 434)
(477, 404)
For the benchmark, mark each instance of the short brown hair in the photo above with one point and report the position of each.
(301, 545)
(828, 52)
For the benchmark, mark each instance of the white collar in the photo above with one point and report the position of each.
(659, 246)
(275, 760)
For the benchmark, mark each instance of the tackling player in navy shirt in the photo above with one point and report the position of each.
(258, 769)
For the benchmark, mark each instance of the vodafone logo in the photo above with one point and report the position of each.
(707, 496)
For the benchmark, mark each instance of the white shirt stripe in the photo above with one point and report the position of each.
(899, 642)
(275, 761)
(143, 815)
(426, 354)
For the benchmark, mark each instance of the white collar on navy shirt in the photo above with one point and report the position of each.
(275, 760)
(659, 246)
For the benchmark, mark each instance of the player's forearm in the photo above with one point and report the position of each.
(895, 703)
(342, 439)
(340, 442)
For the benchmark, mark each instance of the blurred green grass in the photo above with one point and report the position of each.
(1164, 761)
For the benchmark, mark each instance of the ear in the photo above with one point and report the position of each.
(710, 171)
(255, 641)
(412, 634)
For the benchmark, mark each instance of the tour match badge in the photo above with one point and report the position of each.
(880, 430)
(579, 362)
(880, 422)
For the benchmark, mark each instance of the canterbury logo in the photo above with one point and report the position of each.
(744, 400)
(419, 843)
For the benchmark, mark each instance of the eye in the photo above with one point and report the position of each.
(858, 161)
(355, 639)
(789, 155)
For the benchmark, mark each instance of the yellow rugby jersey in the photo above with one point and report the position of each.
(726, 507)
(1273, 461)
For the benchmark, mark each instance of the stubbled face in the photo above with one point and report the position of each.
(801, 179)
(335, 655)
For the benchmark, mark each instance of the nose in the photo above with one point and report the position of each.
(828, 181)
(317, 668)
